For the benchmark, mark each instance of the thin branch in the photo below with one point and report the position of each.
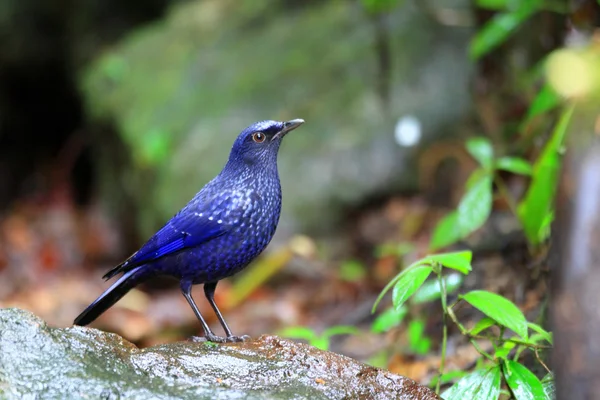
(444, 327)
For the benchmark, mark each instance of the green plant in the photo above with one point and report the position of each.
(499, 312)
(535, 211)
(511, 14)
(320, 341)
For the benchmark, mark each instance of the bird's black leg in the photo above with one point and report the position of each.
(186, 289)
(209, 291)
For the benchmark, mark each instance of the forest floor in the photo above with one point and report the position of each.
(53, 254)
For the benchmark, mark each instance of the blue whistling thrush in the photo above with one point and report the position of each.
(218, 233)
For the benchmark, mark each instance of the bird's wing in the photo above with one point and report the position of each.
(191, 227)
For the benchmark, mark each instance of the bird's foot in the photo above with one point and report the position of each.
(211, 337)
(237, 339)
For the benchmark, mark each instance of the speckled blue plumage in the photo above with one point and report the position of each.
(221, 230)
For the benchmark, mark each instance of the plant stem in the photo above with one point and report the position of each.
(444, 327)
(541, 362)
(464, 331)
(506, 194)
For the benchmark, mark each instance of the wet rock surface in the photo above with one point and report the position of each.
(56, 363)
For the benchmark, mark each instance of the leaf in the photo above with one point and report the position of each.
(515, 165)
(544, 333)
(498, 29)
(481, 384)
(492, 4)
(393, 282)
(533, 210)
(430, 290)
(475, 176)
(481, 150)
(482, 325)
(472, 212)
(535, 338)
(447, 377)
(504, 350)
(475, 207)
(410, 280)
(380, 6)
(548, 385)
(445, 232)
(298, 332)
(500, 309)
(522, 382)
(458, 260)
(352, 270)
(388, 319)
(320, 342)
(419, 343)
(544, 101)
(341, 330)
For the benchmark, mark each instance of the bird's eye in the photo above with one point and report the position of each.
(258, 137)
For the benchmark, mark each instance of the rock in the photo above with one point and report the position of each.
(37, 361)
(181, 89)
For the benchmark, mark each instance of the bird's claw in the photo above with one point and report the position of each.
(237, 339)
(209, 338)
(219, 339)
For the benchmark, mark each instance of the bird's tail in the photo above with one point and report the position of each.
(110, 296)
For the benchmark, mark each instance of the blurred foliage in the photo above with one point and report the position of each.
(511, 14)
(570, 78)
(320, 341)
(180, 89)
(476, 205)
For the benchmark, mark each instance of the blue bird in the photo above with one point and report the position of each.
(218, 233)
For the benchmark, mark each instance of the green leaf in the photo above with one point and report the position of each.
(544, 333)
(473, 210)
(430, 290)
(548, 385)
(320, 342)
(475, 176)
(500, 309)
(522, 382)
(418, 342)
(396, 249)
(341, 330)
(380, 359)
(482, 384)
(410, 280)
(544, 101)
(298, 332)
(481, 150)
(447, 377)
(535, 338)
(446, 232)
(492, 4)
(515, 165)
(352, 271)
(533, 210)
(389, 319)
(154, 147)
(380, 6)
(393, 282)
(498, 29)
(475, 207)
(482, 325)
(458, 260)
(504, 350)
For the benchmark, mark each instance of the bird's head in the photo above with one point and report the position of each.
(259, 143)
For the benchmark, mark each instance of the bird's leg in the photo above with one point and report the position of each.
(186, 289)
(209, 291)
